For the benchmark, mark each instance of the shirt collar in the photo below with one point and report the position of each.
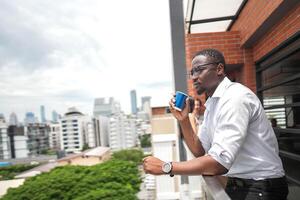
(218, 92)
(221, 88)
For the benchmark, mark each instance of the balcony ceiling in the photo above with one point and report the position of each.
(211, 15)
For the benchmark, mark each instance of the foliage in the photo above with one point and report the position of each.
(145, 140)
(134, 155)
(114, 179)
(85, 147)
(10, 172)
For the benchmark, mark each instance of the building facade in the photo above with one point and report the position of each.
(38, 138)
(105, 108)
(122, 132)
(43, 114)
(18, 142)
(72, 135)
(13, 119)
(261, 48)
(4, 140)
(165, 146)
(79, 131)
(54, 135)
(133, 101)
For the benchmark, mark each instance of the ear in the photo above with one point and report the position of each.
(220, 69)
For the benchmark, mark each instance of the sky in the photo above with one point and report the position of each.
(66, 53)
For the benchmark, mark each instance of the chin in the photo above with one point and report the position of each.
(200, 91)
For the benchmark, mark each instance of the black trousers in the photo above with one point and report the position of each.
(248, 189)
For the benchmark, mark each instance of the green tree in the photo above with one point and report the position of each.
(114, 179)
(145, 140)
(134, 155)
(10, 172)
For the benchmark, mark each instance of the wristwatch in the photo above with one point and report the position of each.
(167, 168)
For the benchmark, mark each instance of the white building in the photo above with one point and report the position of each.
(72, 138)
(101, 124)
(77, 131)
(165, 146)
(4, 140)
(122, 132)
(54, 136)
(106, 108)
(18, 142)
(89, 131)
(13, 119)
(20, 146)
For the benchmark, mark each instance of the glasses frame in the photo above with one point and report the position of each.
(198, 70)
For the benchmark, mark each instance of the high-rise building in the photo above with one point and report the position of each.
(77, 131)
(30, 118)
(122, 132)
(146, 99)
(18, 142)
(104, 108)
(55, 116)
(43, 114)
(2, 118)
(145, 111)
(13, 119)
(133, 101)
(38, 138)
(54, 136)
(72, 131)
(101, 126)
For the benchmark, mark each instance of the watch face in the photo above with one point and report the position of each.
(167, 168)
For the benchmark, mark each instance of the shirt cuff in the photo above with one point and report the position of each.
(221, 156)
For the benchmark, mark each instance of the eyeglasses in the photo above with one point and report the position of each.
(196, 71)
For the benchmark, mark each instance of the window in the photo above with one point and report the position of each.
(278, 87)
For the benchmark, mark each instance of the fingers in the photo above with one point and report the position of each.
(187, 105)
(172, 102)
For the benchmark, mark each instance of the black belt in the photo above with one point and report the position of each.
(232, 181)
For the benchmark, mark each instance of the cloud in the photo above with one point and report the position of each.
(40, 34)
(66, 53)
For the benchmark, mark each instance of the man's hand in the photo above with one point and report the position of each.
(179, 115)
(153, 165)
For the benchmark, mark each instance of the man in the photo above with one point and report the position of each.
(236, 137)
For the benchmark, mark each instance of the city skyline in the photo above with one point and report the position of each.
(49, 113)
(72, 54)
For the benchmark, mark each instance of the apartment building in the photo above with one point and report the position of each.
(54, 135)
(4, 140)
(122, 132)
(165, 146)
(38, 138)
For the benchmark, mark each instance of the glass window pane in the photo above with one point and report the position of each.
(207, 9)
(210, 27)
(282, 70)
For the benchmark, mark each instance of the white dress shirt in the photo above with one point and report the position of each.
(237, 133)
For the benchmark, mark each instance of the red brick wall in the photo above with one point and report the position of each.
(284, 29)
(159, 110)
(252, 16)
(229, 44)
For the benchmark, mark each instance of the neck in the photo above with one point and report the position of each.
(213, 89)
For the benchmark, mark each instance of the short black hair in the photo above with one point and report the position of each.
(213, 54)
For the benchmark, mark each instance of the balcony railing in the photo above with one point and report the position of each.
(214, 188)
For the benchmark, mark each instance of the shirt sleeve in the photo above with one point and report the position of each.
(231, 129)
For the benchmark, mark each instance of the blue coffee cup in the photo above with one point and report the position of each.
(180, 98)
